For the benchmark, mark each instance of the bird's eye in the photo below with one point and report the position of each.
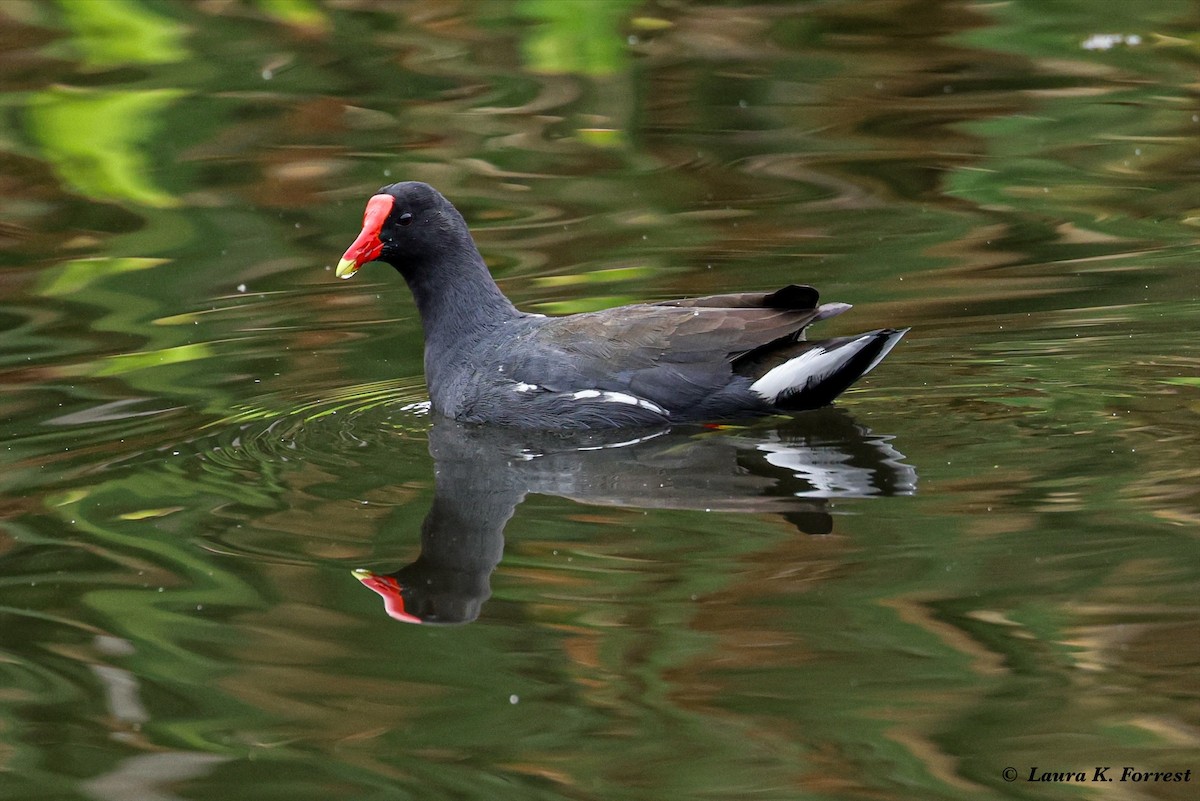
(406, 219)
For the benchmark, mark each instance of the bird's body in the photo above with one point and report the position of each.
(710, 358)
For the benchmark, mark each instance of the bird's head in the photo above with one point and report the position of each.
(403, 224)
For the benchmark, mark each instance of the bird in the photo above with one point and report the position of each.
(693, 360)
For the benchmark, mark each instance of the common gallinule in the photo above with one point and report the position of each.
(697, 359)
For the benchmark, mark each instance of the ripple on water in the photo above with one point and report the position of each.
(283, 478)
(327, 431)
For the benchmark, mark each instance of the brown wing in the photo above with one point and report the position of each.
(794, 297)
(717, 327)
(694, 345)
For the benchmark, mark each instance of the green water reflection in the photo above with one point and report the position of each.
(203, 434)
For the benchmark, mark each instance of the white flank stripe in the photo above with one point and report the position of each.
(815, 365)
(619, 397)
(523, 387)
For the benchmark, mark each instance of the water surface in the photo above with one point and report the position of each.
(984, 558)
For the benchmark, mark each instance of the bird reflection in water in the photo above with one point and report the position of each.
(481, 473)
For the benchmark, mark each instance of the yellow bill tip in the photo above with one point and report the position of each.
(345, 269)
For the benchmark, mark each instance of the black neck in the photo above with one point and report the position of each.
(456, 298)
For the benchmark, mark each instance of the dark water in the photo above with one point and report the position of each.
(984, 558)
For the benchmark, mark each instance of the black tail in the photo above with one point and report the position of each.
(823, 370)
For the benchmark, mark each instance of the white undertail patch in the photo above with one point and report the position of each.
(809, 368)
